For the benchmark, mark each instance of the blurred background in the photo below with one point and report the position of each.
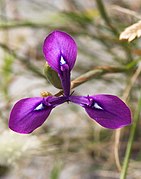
(69, 145)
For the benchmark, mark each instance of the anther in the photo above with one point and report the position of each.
(45, 94)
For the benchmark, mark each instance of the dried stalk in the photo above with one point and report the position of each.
(95, 73)
(118, 132)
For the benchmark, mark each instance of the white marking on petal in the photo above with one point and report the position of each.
(96, 106)
(39, 107)
(62, 61)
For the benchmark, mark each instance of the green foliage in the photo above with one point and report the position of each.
(78, 17)
(6, 73)
(55, 172)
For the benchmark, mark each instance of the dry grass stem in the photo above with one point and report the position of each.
(116, 148)
(126, 11)
(131, 83)
(118, 132)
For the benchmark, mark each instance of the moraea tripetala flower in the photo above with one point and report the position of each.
(60, 52)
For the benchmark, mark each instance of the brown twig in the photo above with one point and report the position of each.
(94, 73)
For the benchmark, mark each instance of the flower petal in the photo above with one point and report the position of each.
(28, 114)
(108, 110)
(65, 79)
(59, 48)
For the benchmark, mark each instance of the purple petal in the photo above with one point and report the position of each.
(28, 114)
(65, 79)
(59, 48)
(108, 110)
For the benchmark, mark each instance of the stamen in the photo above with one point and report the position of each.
(45, 94)
(40, 107)
(62, 61)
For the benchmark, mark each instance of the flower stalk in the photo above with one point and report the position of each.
(115, 32)
(130, 141)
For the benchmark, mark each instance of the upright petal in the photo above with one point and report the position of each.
(59, 48)
(108, 110)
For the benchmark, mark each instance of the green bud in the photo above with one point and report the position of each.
(52, 76)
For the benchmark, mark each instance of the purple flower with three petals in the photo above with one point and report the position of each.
(60, 51)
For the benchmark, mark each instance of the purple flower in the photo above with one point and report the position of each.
(60, 51)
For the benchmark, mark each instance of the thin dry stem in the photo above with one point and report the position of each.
(116, 149)
(118, 132)
(126, 11)
(96, 72)
(132, 81)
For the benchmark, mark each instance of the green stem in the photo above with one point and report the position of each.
(105, 16)
(107, 20)
(130, 142)
(16, 24)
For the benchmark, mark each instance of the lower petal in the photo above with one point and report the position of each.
(28, 114)
(107, 110)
